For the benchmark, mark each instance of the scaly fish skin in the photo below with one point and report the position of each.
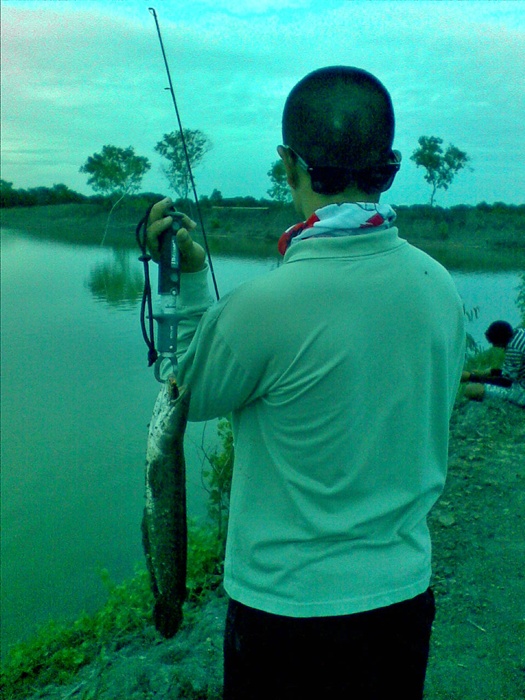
(164, 527)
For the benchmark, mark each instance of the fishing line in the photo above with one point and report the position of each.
(186, 155)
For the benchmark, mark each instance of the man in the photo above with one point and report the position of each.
(340, 369)
(508, 382)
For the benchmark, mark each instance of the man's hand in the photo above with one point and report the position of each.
(192, 255)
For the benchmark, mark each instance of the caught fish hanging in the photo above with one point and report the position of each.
(164, 524)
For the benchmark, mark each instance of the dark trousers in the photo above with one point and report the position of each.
(374, 655)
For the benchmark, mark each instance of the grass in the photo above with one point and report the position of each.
(82, 224)
(492, 357)
(58, 651)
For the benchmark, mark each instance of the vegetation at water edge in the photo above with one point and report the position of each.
(59, 650)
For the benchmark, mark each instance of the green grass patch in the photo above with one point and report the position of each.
(485, 359)
(57, 652)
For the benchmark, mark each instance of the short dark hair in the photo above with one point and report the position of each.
(499, 333)
(341, 118)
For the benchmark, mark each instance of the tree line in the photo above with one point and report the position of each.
(61, 194)
(115, 173)
(11, 197)
(38, 196)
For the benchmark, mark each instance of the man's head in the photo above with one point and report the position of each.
(340, 121)
(499, 334)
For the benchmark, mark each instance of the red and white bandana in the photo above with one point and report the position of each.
(336, 220)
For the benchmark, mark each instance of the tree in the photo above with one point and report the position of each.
(279, 189)
(61, 194)
(8, 195)
(216, 197)
(441, 166)
(116, 171)
(171, 147)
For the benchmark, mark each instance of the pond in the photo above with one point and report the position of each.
(77, 396)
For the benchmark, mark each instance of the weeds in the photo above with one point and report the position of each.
(471, 345)
(520, 300)
(59, 650)
(217, 479)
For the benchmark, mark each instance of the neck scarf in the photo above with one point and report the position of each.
(337, 220)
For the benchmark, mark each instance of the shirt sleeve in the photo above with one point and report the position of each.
(213, 371)
(513, 362)
(194, 300)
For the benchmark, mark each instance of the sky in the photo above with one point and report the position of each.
(80, 74)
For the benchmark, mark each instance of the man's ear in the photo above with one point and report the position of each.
(290, 166)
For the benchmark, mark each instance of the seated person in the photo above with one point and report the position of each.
(509, 381)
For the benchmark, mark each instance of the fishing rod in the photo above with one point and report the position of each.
(164, 356)
(185, 148)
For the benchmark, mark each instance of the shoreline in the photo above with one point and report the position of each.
(455, 238)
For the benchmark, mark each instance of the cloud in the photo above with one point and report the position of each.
(249, 7)
(79, 75)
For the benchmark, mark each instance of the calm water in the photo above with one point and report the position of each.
(76, 400)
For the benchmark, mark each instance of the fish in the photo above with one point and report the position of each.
(164, 523)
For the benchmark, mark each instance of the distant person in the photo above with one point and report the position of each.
(508, 382)
(340, 369)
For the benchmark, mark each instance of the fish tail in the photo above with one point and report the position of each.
(167, 617)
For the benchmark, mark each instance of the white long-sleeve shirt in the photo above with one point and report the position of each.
(340, 369)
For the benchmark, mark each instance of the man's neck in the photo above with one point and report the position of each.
(313, 201)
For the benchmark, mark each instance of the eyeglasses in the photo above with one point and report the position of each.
(334, 179)
(298, 159)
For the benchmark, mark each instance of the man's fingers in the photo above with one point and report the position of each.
(184, 241)
(160, 210)
(160, 220)
(188, 223)
(192, 254)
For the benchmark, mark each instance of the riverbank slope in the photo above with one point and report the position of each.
(474, 237)
(478, 531)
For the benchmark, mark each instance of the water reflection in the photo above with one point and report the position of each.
(116, 281)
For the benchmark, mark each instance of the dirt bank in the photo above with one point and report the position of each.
(479, 545)
(467, 238)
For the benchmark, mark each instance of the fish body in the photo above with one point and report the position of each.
(164, 526)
